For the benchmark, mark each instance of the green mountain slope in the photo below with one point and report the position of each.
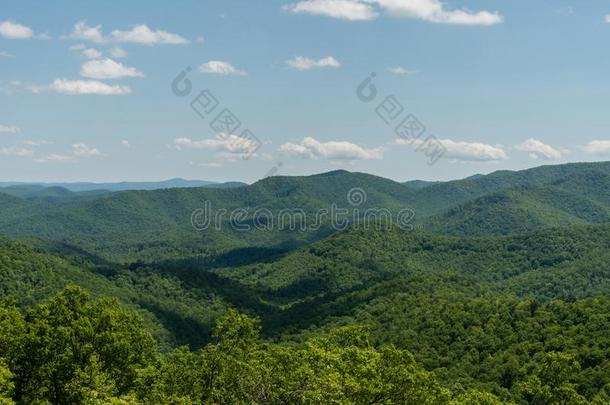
(134, 224)
(463, 306)
(438, 198)
(149, 225)
(478, 311)
(52, 194)
(481, 312)
(174, 315)
(520, 210)
(356, 258)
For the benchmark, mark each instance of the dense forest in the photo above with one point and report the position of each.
(74, 349)
(500, 293)
(156, 225)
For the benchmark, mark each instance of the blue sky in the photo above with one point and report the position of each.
(86, 87)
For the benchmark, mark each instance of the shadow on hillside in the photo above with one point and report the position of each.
(314, 312)
(205, 283)
(184, 330)
(232, 258)
(256, 254)
(73, 254)
(249, 255)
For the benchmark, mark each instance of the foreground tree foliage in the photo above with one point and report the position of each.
(522, 319)
(78, 350)
(339, 368)
(72, 348)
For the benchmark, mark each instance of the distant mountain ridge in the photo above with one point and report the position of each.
(126, 185)
(131, 225)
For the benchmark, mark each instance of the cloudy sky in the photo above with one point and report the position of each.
(237, 90)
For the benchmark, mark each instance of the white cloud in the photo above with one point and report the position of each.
(107, 69)
(118, 52)
(64, 86)
(83, 32)
(399, 70)
(427, 10)
(200, 39)
(342, 9)
(434, 11)
(54, 158)
(79, 151)
(141, 34)
(302, 63)
(463, 151)
(9, 129)
(35, 143)
(78, 87)
(472, 151)
(125, 143)
(5, 54)
(221, 68)
(310, 148)
(538, 149)
(13, 87)
(608, 18)
(231, 144)
(16, 151)
(12, 30)
(91, 53)
(598, 147)
(83, 151)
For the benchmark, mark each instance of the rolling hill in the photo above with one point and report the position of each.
(500, 273)
(480, 312)
(122, 186)
(145, 225)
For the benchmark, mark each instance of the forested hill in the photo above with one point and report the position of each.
(498, 293)
(445, 194)
(145, 225)
(487, 315)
